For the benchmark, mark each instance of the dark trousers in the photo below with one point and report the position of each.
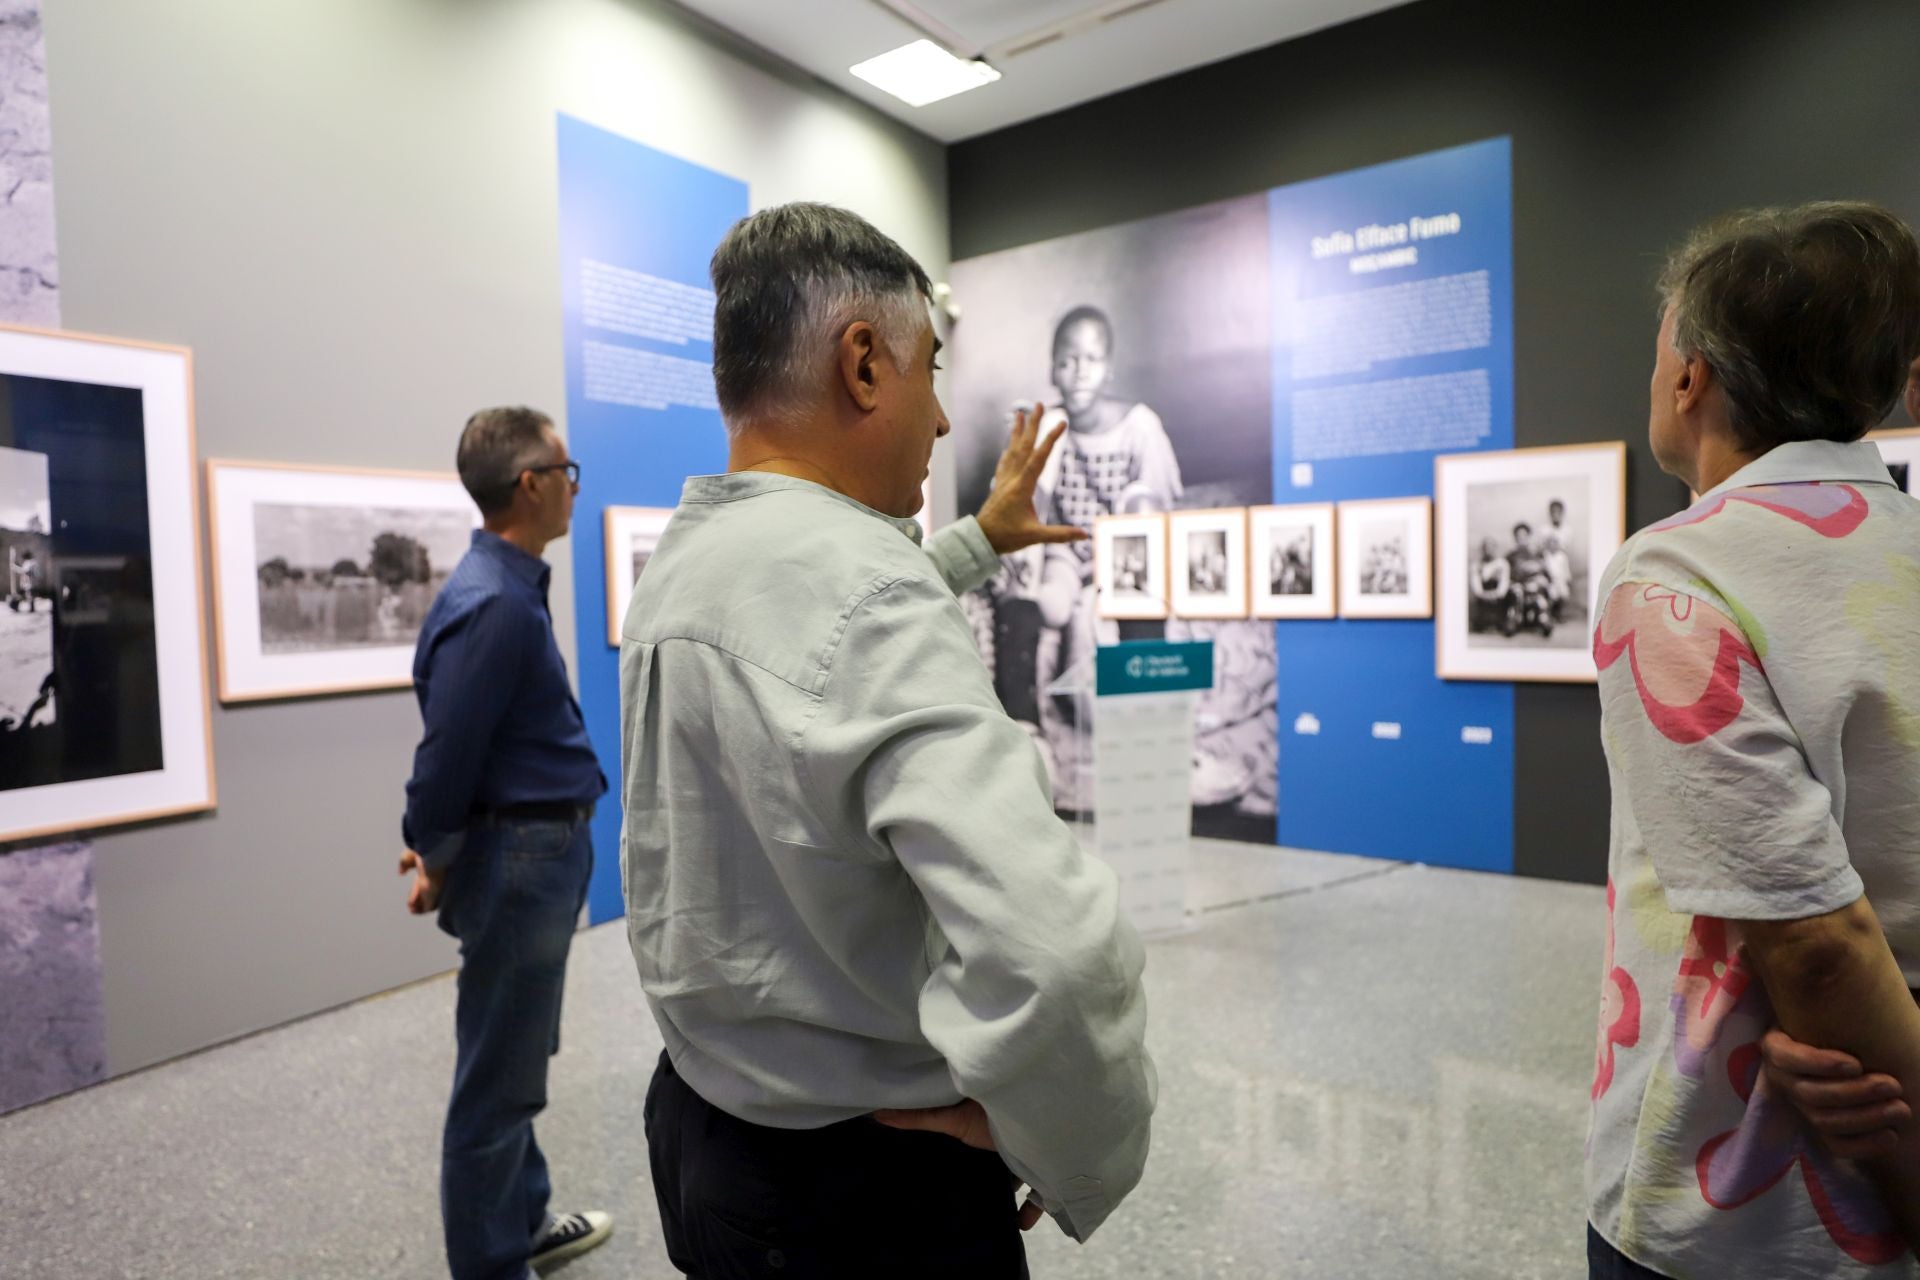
(852, 1199)
(513, 899)
(1604, 1262)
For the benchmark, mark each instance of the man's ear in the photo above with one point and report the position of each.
(859, 365)
(1696, 380)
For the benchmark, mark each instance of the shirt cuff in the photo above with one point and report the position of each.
(963, 555)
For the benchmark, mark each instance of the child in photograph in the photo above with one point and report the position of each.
(1290, 572)
(1491, 581)
(1553, 549)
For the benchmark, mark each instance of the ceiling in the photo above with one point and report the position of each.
(1052, 53)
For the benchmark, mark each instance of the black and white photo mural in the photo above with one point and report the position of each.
(1151, 341)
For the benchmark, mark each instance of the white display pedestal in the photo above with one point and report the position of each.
(1135, 702)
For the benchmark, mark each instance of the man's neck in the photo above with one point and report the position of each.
(1718, 461)
(520, 536)
(781, 453)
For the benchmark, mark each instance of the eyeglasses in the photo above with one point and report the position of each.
(571, 468)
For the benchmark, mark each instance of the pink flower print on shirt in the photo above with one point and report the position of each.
(1712, 982)
(1830, 510)
(1685, 657)
(1619, 1013)
(1739, 1167)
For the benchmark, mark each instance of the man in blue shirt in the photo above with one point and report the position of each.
(504, 783)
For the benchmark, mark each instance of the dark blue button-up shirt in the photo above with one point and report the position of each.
(502, 724)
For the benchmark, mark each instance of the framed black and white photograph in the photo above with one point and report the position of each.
(1209, 569)
(1292, 555)
(1523, 538)
(1130, 566)
(104, 714)
(323, 575)
(1900, 450)
(1386, 558)
(632, 534)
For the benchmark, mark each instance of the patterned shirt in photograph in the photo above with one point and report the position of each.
(1096, 474)
(502, 725)
(846, 887)
(1759, 662)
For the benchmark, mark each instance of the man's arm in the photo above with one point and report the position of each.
(1035, 1000)
(473, 671)
(1834, 983)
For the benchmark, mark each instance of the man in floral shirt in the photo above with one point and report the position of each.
(1759, 662)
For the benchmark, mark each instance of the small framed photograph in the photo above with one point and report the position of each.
(323, 575)
(1293, 561)
(1900, 450)
(1386, 558)
(1130, 566)
(1209, 569)
(104, 715)
(632, 534)
(1524, 536)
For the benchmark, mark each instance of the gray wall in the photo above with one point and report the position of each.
(1630, 122)
(346, 208)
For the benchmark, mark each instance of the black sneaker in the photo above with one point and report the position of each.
(568, 1235)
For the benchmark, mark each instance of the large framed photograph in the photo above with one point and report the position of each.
(632, 534)
(1209, 569)
(1386, 558)
(104, 713)
(1293, 560)
(1900, 450)
(323, 575)
(1523, 538)
(1130, 566)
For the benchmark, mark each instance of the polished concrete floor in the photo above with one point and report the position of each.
(1367, 1069)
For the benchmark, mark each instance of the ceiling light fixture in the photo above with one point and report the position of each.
(923, 72)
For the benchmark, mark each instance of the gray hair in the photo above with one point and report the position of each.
(787, 282)
(1809, 317)
(495, 448)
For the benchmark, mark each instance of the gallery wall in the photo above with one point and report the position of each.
(347, 209)
(1630, 123)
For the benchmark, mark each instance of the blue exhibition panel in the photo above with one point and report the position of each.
(1393, 343)
(637, 228)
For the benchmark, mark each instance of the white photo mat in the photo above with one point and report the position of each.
(1363, 527)
(185, 781)
(1600, 472)
(235, 492)
(1223, 533)
(628, 529)
(1267, 527)
(1119, 598)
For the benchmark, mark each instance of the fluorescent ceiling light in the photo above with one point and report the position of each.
(923, 72)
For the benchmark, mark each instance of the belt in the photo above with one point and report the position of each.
(534, 811)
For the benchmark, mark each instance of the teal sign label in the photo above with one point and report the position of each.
(1153, 666)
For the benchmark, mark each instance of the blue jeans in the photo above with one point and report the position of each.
(1604, 1262)
(513, 899)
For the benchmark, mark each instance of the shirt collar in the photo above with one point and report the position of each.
(738, 485)
(529, 568)
(1811, 462)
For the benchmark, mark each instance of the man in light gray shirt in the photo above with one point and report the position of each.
(847, 891)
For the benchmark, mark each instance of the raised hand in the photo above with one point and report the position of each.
(1007, 517)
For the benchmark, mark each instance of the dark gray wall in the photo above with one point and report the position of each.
(1630, 122)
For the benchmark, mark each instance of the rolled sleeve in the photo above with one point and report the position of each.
(1034, 996)
(1712, 774)
(963, 556)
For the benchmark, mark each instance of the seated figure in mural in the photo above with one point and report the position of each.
(1491, 582)
(1759, 696)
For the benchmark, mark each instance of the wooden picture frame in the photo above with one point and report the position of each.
(100, 479)
(1386, 558)
(1523, 537)
(323, 574)
(1130, 566)
(1293, 561)
(1207, 573)
(632, 533)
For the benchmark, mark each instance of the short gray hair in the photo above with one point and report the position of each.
(787, 282)
(1809, 317)
(496, 446)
